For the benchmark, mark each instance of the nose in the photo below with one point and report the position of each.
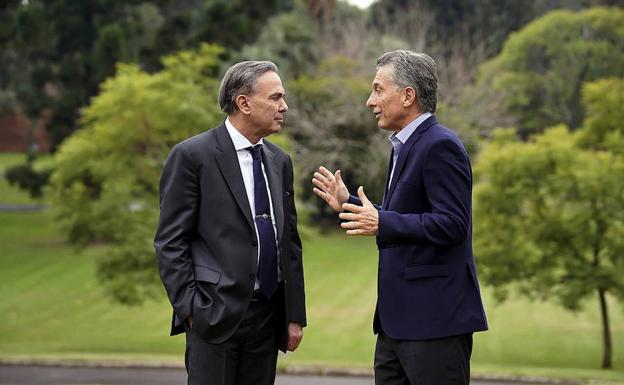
(283, 106)
(370, 103)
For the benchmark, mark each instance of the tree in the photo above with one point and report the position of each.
(540, 70)
(105, 184)
(549, 213)
(290, 40)
(55, 53)
(330, 125)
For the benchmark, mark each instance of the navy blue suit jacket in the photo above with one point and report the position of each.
(427, 281)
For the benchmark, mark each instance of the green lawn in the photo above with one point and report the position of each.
(52, 306)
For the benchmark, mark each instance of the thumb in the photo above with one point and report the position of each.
(363, 197)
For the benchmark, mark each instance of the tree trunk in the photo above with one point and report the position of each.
(606, 331)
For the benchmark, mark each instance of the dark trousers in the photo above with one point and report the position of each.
(444, 361)
(248, 357)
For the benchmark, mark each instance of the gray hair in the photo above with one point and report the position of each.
(416, 70)
(241, 79)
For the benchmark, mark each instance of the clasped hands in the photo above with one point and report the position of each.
(359, 220)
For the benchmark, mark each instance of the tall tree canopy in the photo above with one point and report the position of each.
(54, 54)
(105, 183)
(541, 69)
(549, 213)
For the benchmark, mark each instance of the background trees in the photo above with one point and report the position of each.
(56, 53)
(541, 69)
(105, 184)
(548, 207)
(549, 213)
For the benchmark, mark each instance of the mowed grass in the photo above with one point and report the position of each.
(51, 305)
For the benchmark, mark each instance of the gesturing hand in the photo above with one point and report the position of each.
(363, 220)
(330, 188)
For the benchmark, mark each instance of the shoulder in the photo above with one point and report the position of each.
(441, 136)
(196, 145)
(279, 153)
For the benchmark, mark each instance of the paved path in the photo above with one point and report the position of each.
(50, 375)
(12, 207)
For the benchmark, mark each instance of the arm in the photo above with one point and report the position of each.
(297, 312)
(179, 193)
(448, 185)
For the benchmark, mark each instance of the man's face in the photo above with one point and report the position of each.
(267, 104)
(386, 101)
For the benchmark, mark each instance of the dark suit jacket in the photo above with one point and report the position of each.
(206, 241)
(427, 281)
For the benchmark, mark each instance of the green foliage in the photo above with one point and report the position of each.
(233, 23)
(549, 213)
(105, 184)
(540, 70)
(331, 126)
(290, 40)
(603, 127)
(54, 54)
(26, 178)
(549, 217)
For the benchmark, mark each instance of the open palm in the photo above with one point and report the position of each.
(330, 188)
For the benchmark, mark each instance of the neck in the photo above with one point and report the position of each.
(409, 117)
(243, 126)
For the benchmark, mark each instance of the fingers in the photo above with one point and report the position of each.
(351, 207)
(293, 343)
(338, 177)
(321, 194)
(321, 179)
(348, 216)
(320, 183)
(295, 335)
(326, 173)
(351, 225)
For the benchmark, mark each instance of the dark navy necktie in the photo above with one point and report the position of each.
(268, 249)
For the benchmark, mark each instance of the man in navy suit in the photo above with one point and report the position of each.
(428, 302)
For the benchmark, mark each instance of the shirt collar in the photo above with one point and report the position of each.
(408, 130)
(239, 140)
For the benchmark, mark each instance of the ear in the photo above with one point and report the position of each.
(409, 97)
(242, 102)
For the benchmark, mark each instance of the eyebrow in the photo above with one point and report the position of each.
(278, 93)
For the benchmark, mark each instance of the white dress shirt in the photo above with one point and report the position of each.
(398, 139)
(246, 165)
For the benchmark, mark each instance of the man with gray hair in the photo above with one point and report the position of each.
(228, 248)
(428, 300)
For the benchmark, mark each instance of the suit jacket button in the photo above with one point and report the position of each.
(252, 277)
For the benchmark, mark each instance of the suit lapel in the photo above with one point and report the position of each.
(405, 150)
(274, 175)
(227, 161)
(388, 169)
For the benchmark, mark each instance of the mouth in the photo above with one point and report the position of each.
(377, 114)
